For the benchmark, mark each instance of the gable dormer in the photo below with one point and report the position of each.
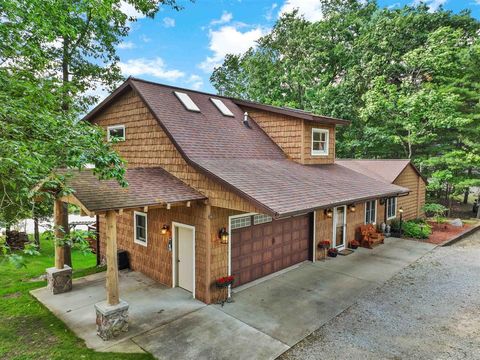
(305, 139)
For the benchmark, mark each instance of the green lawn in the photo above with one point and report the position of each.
(27, 329)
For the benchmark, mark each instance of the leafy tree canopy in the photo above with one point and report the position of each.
(407, 78)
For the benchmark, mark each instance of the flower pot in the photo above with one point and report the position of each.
(332, 254)
(353, 246)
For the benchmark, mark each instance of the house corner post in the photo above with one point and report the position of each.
(112, 314)
(59, 277)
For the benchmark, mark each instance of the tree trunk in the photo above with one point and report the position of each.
(36, 232)
(467, 190)
(65, 107)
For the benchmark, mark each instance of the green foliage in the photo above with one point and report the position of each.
(48, 69)
(29, 330)
(412, 229)
(407, 78)
(438, 211)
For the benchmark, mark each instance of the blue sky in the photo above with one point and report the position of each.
(182, 48)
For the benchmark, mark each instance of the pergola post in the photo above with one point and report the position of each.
(112, 314)
(59, 278)
(112, 261)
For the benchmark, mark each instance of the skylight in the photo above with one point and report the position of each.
(222, 107)
(187, 101)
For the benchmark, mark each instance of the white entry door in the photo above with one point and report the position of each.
(185, 246)
(339, 227)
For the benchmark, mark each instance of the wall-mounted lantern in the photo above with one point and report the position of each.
(223, 235)
(382, 201)
(328, 213)
(165, 229)
(352, 208)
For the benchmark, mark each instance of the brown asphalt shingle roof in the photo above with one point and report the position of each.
(247, 160)
(381, 169)
(147, 187)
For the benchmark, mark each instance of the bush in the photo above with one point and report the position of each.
(435, 210)
(414, 230)
(395, 225)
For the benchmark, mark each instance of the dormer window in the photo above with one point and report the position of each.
(116, 132)
(320, 141)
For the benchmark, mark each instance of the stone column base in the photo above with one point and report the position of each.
(112, 320)
(59, 280)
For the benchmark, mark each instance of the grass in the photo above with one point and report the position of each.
(28, 330)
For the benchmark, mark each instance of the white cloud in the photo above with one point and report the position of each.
(154, 67)
(433, 5)
(269, 14)
(229, 40)
(168, 22)
(195, 82)
(225, 18)
(130, 10)
(310, 9)
(126, 45)
(144, 38)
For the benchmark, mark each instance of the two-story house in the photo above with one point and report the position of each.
(222, 186)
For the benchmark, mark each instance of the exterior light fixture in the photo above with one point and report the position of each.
(165, 229)
(400, 210)
(328, 213)
(382, 201)
(352, 207)
(223, 235)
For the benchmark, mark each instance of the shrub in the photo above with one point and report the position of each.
(435, 210)
(415, 230)
(395, 225)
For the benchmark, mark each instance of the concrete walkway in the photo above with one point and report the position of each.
(265, 320)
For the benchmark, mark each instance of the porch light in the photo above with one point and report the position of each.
(382, 201)
(223, 235)
(165, 229)
(352, 207)
(328, 213)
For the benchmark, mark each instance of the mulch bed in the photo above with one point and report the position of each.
(442, 233)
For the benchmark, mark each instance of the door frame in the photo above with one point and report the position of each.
(174, 253)
(335, 217)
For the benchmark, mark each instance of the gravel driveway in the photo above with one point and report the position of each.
(430, 310)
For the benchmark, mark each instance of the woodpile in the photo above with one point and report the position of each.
(16, 240)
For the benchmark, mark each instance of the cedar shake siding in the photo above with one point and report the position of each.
(155, 260)
(147, 145)
(412, 203)
(294, 136)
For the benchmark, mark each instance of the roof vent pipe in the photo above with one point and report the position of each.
(245, 120)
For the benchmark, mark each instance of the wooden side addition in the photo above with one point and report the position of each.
(413, 203)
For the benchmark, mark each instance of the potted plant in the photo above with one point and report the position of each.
(325, 244)
(224, 282)
(354, 244)
(332, 252)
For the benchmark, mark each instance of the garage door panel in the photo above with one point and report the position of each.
(259, 250)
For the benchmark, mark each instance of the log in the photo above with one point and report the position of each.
(112, 260)
(58, 216)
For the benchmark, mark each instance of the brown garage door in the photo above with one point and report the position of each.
(259, 250)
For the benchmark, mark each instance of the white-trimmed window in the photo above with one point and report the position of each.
(261, 219)
(391, 208)
(320, 141)
(116, 132)
(140, 228)
(241, 222)
(371, 212)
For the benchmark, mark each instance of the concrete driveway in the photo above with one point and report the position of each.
(267, 318)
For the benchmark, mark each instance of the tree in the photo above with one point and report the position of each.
(407, 79)
(52, 53)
